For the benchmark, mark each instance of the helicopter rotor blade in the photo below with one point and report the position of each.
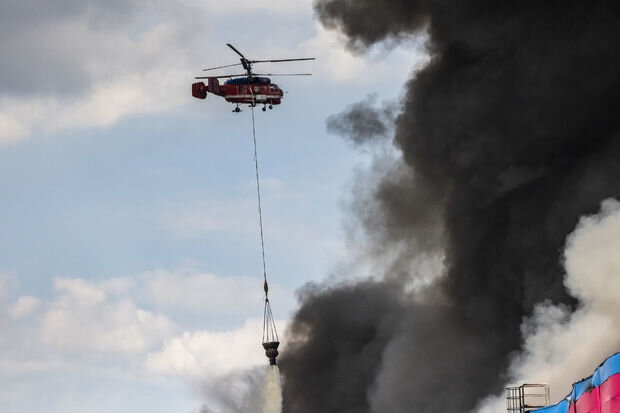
(283, 74)
(282, 60)
(221, 67)
(236, 51)
(221, 76)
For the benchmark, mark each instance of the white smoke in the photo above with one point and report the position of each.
(256, 390)
(561, 347)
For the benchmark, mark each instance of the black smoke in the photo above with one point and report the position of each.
(507, 136)
(363, 122)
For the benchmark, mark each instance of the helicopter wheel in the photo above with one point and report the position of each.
(237, 110)
(264, 108)
(270, 106)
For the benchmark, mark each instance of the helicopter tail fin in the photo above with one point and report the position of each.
(199, 90)
(214, 86)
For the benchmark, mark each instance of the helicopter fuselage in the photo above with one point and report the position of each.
(251, 91)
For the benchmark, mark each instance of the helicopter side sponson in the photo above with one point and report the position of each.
(254, 90)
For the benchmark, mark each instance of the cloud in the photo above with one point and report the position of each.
(203, 354)
(279, 7)
(125, 327)
(24, 307)
(209, 295)
(132, 317)
(64, 51)
(340, 64)
(96, 317)
(87, 65)
(131, 330)
(11, 130)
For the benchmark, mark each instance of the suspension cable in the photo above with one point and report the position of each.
(270, 335)
(260, 212)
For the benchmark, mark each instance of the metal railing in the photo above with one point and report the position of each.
(521, 399)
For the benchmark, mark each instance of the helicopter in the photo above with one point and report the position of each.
(246, 88)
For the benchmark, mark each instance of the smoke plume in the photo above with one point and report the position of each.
(362, 122)
(559, 347)
(563, 346)
(506, 137)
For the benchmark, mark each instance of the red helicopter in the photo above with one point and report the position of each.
(251, 88)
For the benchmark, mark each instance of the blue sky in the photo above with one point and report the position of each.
(130, 274)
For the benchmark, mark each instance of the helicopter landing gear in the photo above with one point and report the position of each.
(237, 110)
(264, 108)
(270, 106)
